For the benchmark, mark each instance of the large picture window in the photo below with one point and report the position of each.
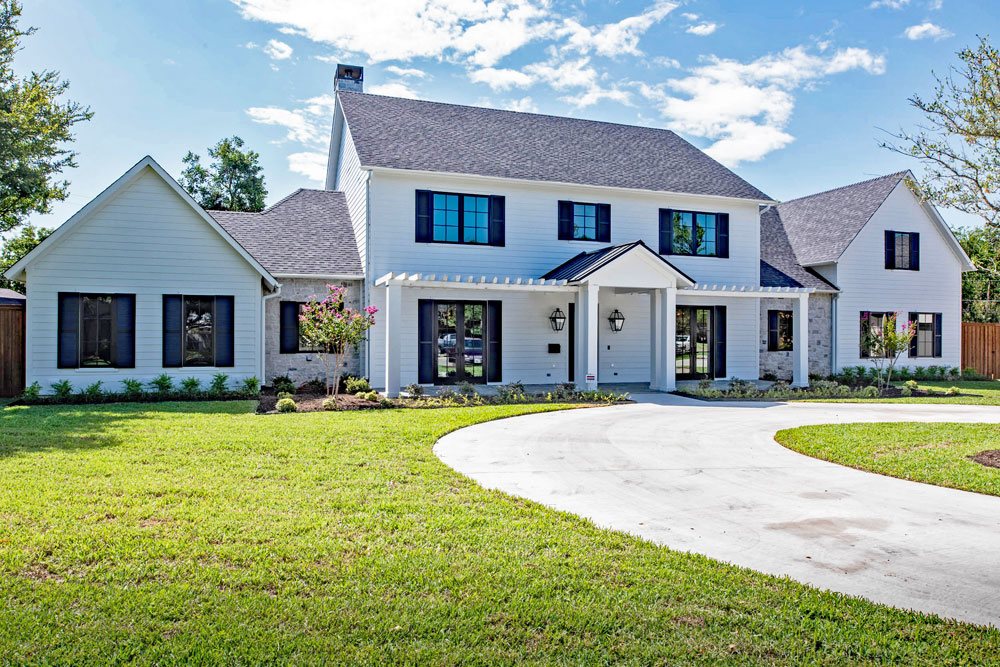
(779, 331)
(198, 331)
(96, 330)
(448, 217)
(694, 233)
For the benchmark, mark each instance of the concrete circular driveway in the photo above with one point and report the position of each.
(709, 478)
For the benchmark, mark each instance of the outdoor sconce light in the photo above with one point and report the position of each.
(557, 319)
(616, 320)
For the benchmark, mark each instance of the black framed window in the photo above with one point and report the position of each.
(694, 233)
(96, 330)
(927, 340)
(779, 331)
(902, 251)
(450, 217)
(290, 337)
(871, 322)
(198, 330)
(581, 221)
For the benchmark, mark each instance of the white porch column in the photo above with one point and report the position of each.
(669, 326)
(800, 341)
(591, 326)
(393, 310)
(656, 334)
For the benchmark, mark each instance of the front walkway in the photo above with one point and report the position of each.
(709, 478)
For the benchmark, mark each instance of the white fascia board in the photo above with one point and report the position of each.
(321, 276)
(17, 271)
(610, 188)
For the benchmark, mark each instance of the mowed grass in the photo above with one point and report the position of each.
(985, 392)
(201, 533)
(931, 453)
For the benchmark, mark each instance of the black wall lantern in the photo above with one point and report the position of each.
(557, 319)
(616, 320)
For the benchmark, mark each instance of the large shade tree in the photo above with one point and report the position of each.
(16, 247)
(35, 130)
(232, 182)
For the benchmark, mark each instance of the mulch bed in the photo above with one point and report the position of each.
(313, 402)
(890, 392)
(989, 458)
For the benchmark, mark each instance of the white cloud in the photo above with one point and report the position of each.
(394, 89)
(562, 75)
(935, 5)
(298, 126)
(689, 16)
(927, 31)
(891, 4)
(278, 50)
(615, 39)
(312, 165)
(702, 29)
(501, 79)
(406, 71)
(744, 108)
(523, 104)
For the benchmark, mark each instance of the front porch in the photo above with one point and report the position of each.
(622, 316)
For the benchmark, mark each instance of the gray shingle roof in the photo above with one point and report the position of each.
(778, 265)
(309, 231)
(821, 226)
(9, 297)
(586, 263)
(432, 136)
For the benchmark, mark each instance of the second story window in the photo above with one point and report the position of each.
(902, 251)
(584, 222)
(445, 217)
(694, 233)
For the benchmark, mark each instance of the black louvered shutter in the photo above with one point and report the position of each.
(890, 249)
(604, 223)
(938, 329)
(565, 221)
(425, 227)
(772, 330)
(225, 316)
(494, 348)
(125, 330)
(915, 252)
(425, 341)
(69, 325)
(666, 231)
(862, 349)
(497, 220)
(173, 322)
(289, 334)
(722, 235)
(719, 339)
(914, 320)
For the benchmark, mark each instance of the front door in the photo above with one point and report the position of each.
(694, 343)
(459, 342)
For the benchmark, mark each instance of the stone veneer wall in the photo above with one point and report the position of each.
(306, 365)
(820, 347)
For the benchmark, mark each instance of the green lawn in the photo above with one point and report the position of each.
(987, 392)
(201, 533)
(931, 453)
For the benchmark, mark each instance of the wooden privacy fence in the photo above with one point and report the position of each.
(981, 347)
(11, 350)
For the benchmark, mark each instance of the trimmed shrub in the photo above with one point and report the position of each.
(131, 387)
(386, 403)
(162, 383)
(767, 377)
(251, 385)
(218, 384)
(869, 392)
(190, 385)
(415, 390)
(367, 395)
(905, 391)
(32, 392)
(972, 374)
(911, 384)
(283, 383)
(62, 389)
(330, 403)
(287, 405)
(355, 385)
(93, 391)
(467, 389)
(953, 391)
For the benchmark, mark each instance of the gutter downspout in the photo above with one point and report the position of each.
(263, 330)
(366, 372)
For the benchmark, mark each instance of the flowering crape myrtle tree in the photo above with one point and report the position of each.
(334, 329)
(885, 343)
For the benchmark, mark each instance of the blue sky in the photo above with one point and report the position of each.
(792, 95)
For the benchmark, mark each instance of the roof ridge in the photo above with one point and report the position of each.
(850, 185)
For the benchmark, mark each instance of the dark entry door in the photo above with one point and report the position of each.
(460, 342)
(694, 343)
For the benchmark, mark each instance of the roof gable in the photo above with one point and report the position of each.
(588, 264)
(16, 272)
(308, 232)
(417, 135)
(821, 226)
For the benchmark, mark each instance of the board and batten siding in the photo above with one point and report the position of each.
(866, 285)
(145, 240)
(532, 246)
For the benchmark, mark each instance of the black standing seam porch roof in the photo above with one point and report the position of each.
(586, 263)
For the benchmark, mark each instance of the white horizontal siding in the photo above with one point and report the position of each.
(532, 245)
(351, 181)
(146, 241)
(868, 286)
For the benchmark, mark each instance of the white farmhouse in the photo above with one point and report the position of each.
(498, 246)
